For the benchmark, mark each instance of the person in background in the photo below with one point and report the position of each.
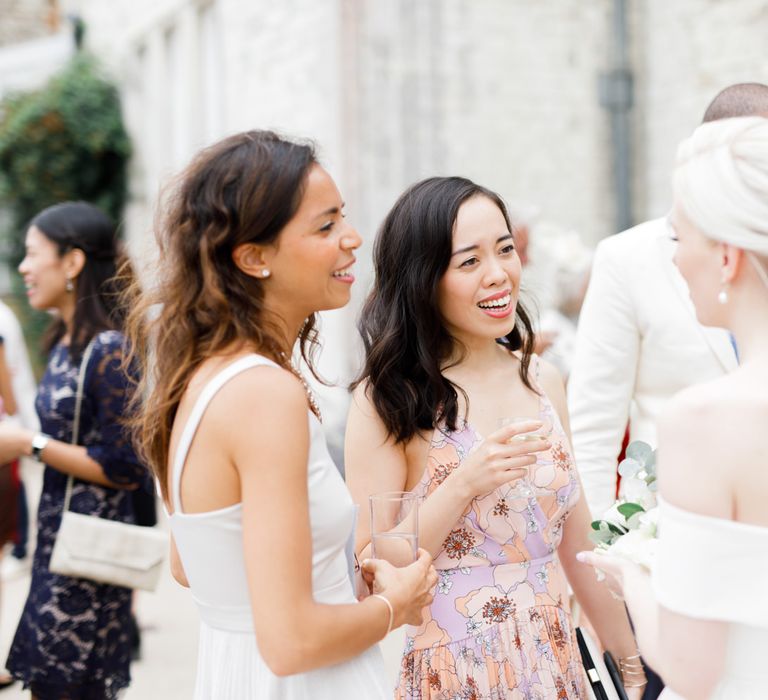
(9, 483)
(449, 357)
(568, 263)
(25, 390)
(702, 616)
(73, 636)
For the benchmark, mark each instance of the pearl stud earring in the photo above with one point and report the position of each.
(265, 273)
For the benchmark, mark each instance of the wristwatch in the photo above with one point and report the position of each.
(39, 441)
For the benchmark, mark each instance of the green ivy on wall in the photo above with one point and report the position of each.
(65, 141)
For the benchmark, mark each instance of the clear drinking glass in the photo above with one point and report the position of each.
(394, 527)
(523, 488)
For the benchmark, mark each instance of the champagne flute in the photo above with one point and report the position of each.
(395, 527)
(524, 487)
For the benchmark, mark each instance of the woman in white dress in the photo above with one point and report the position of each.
(253, 242)
(702, 617)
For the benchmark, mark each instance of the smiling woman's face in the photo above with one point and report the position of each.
(44, 271)
(311, 262)
(477, 295)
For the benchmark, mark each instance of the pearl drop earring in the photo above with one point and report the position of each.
(69, 286)
(722, 297)
(265, 273)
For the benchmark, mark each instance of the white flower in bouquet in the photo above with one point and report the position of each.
(637, 491)
(649, 522)
(639, 545)
(628, 528)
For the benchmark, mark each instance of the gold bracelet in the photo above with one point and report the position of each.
(632, 671)
(391, 609)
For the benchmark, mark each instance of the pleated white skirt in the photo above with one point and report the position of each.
(230, 668)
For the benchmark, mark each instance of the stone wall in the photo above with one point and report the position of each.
(22, 20)
(685, 52)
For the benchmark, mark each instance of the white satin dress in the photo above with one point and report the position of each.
(211, 549)
(716, 569)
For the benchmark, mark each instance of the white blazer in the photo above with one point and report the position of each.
(638, 343)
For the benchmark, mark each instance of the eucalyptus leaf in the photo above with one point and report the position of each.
(606, 527)
(614, 528)
(640, 451)
(629, 509)
(628, 467)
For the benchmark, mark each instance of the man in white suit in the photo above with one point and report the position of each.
(638, 340)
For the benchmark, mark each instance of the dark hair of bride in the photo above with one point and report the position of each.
(405, 340)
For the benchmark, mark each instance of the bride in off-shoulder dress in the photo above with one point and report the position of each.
(702, 617)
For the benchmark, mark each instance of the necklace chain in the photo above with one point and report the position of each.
(313, 405)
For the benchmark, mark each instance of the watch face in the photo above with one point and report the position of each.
(39, 442)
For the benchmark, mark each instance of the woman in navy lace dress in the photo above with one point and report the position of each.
(73, 638)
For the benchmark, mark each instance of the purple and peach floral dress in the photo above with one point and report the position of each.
(499, 626)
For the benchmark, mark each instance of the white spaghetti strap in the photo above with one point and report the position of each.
(188, 434)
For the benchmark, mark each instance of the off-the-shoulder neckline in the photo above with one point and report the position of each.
(666, 505)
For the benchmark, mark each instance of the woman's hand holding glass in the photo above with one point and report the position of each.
(408, 588)
(525, 488)
(394, 526)
(503, 457)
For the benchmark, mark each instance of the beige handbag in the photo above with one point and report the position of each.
(104, 550)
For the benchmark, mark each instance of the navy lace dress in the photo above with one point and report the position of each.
(73, 637)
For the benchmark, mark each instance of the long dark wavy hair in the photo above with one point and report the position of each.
(406, 342)
(98, 287)
(243, 189)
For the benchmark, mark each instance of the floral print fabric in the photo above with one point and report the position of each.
(498, 626)
(73, 637)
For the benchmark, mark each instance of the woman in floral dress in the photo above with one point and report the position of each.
(448, 356)
(73, 639)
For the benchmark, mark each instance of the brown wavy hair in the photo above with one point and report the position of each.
(405, 340)
(243, 189)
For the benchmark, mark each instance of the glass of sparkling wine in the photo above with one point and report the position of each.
(394, 526)
(524, 488)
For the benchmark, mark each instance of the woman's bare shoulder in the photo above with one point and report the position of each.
(722, 402)
(265, 391)
(710, 437)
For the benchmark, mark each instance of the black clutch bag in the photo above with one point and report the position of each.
(603, 676)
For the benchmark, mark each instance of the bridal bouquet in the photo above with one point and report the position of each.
(628, 528)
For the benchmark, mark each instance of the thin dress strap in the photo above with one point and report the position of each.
(534, 375)
(188, 434)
